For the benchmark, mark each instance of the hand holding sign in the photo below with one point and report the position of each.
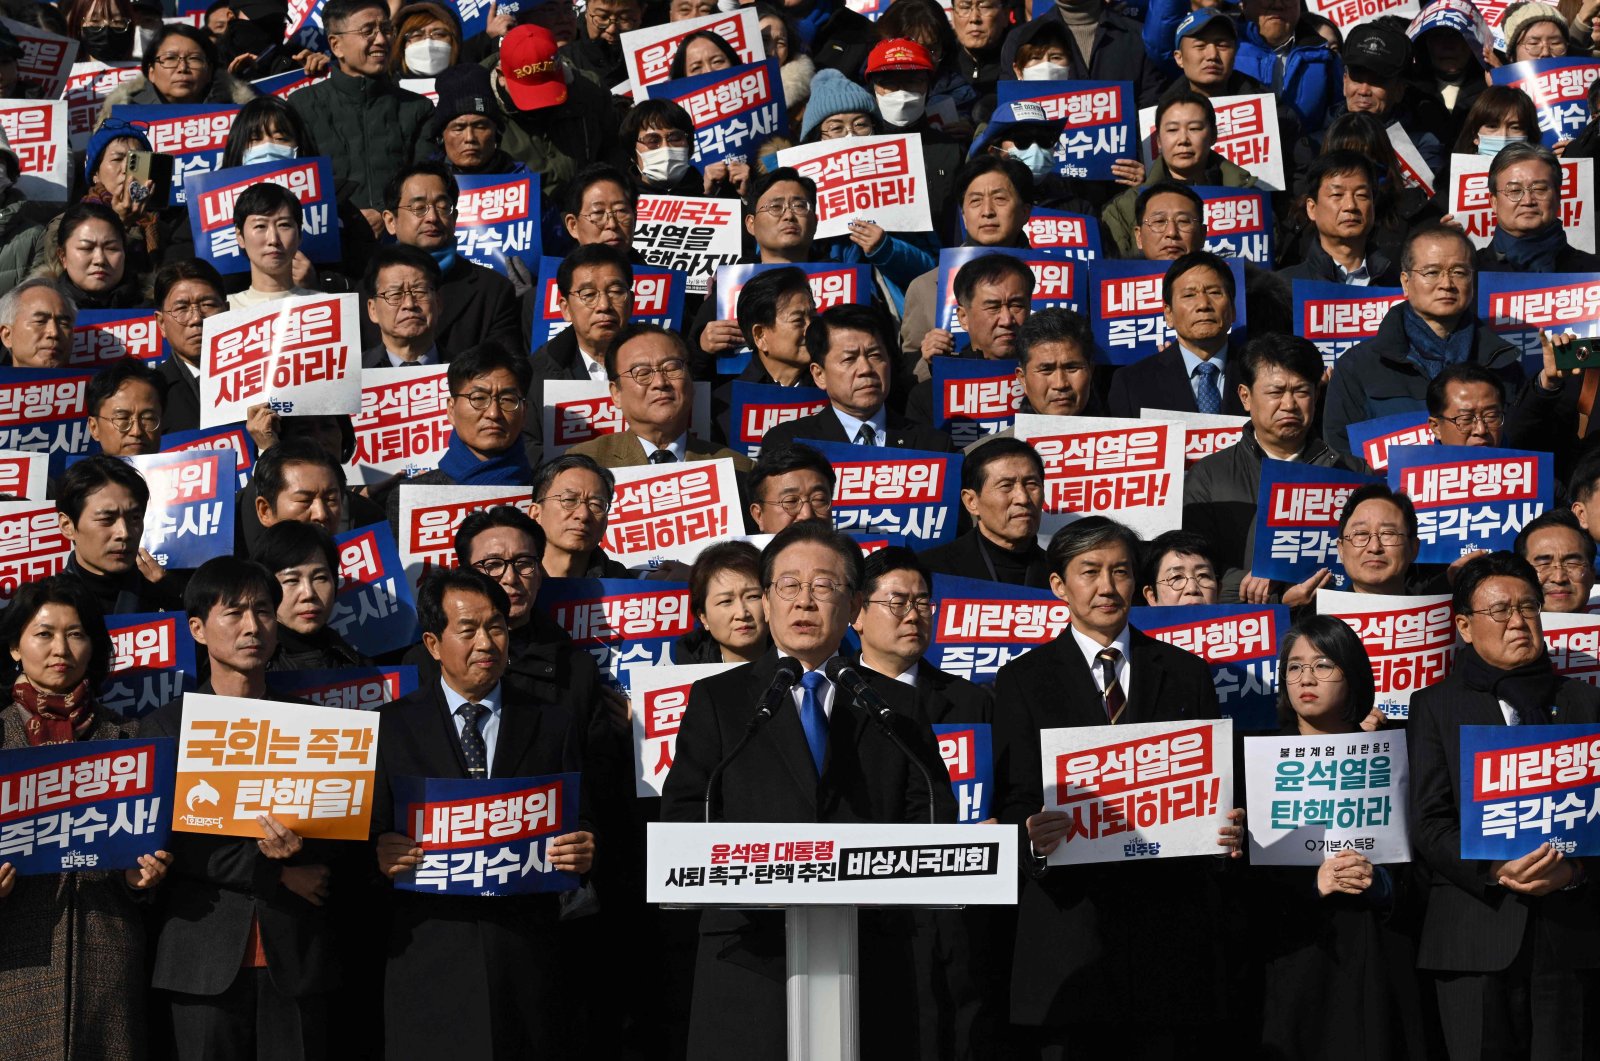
(152, 870)
(1347, 873)
(397, 853)
(1539, 872)
(278, 840)
(572, 852)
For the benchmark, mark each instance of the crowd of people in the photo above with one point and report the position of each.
(284, 946)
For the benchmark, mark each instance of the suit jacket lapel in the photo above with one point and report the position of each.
(1146, 676)
(520, 719)
(440, 739)
(787, 733)
(1081, 702)
(829, 429)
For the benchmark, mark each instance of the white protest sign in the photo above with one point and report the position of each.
(302, 355)
(1203, 433)
(663, 512)
(690, 234)
(1247, 135)
(577, 410)
(1130, 470)
(431, 515)
(659, 696)
(24, 474)
(880, 179)
(1473, 206)
(47, 58)
(37, 133)
(1411, 641)
(1573, 640)
(87, 88)
(403, 426)
(1348, 14)
(648, 53)
(1311, 798)
(1413, 170)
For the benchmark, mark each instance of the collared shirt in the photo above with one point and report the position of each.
(824, 691)
(679, 446)
(1358, 277)
(1192, 362)
(909, 677)
(431, 357)
(1510, 713)
(852, 426)
(193, 371)
(1091, 648)
(595, 369)
(489, 725)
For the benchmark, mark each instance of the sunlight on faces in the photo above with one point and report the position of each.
(1185, 139)
(802, 488)
(1171, 228)
(93, 257)
(271, 241)
(1280, 405)
(106, 536)
(492, 429)
(580, 530)
(1057, 378)
(1514, 643)
(992, 210)
(854, 372)
(238, 635)
(608, 201)
(1098, 588)
(128, 423)
(1441, 282)
(40, 336)
(507, 549)
(887, 636)
(995, 315)
(310, 494)
(308, 592)
(1473, 416)
(1379, 566)
(182, 316)
(735, 613)
(1318, 701)
(471, 652)
(1183, 578)
(597, 324)
(660, 404)
(807, 628)
(1201, 311)
(54, 649)
(1565, 574)
(1009, 506)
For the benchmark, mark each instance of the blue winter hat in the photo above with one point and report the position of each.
(833, 93)
(111, 129)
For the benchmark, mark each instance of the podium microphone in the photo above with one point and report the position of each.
(850, 680)
(782, 681)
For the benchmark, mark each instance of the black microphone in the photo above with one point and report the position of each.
(866, 697)
(783, 680)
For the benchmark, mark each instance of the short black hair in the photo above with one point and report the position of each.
(1554, 518)
(588, 177)
(1438, 394)
(84, 477)
(1182, 542)
(1338, 163)
(397, 183)
(194, 36)
(1085, 536)
(639, 329)
(892, 558)
(550, 471)
(73, 592)
(1055, 325)
(259, 118)
(1294, 354)
(975, 466)
(392, 254)
(290, 543)
(654, 114)
(103, 385)
(264, 199)
(174, 273)
(740, 557)
(1335, 640)
(781, 458)
(1187, 263)
(481, 520)
(991, 269)
(1480, 569)
(338, 12)
(440, 581)
(1379, 491)
(761, 295)
(228, 580)
(1585, 477)
(268, 475)
(761, 183)
(81, 213)
(587, 256)
(810, 532)
(851, 317)
(1192, 98)
(1150, 191)
(485, 358)
(1019, 175)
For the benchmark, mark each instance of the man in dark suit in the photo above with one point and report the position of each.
(402, 290)
(818, 760)
(1097, 943)
(595, 282)
(185, 293)
(1002, 489)
(101, 502)
(850, 359)
(1195, 373)
(243, 947)
(1512, 946)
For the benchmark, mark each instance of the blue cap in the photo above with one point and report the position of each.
(111, 129)
(1007, 116)
(1199, 19)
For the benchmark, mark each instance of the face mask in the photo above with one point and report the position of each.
(427, 58)
(268, 151)
(1045, 72)
(1490, 146)
(664, 165)
(900, 109)
(1039, 160)
(105, 45)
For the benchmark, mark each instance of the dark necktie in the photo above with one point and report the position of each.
(812, 718)
(663, 456)
(867, 436)
(1207, 398)
(473, 749)
(1108, 658)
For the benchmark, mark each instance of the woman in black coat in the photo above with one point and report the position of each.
(304, 560)
(725, 597)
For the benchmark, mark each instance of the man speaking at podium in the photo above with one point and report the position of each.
(818, 759)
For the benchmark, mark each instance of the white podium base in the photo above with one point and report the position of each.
(822, 967)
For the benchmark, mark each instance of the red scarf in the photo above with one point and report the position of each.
(53, 718)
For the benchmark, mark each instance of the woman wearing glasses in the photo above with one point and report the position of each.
(179, 66)
(657, 137)
(725, 597)
(103, 27)
(1178, 569)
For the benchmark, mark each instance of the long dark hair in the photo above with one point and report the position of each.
(1335, 640)
(261, 115)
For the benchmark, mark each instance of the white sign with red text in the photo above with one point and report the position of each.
(1130, 470)
(31, 545)
(659, 697)
(403, 427)
(1203, 433)
(301, 355)
(87, 88)
(648, 53)
(1573, 641)
(577, 410)
(46, 57)
(1413, 170)
(1473, 206)
(880, 179)
(1411, 641)
(37, 133)
(23, 475)
(664, 512)
(431, 515)
(1348, 14)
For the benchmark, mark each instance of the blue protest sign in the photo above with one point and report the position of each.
(1058, 280)
(894, 491)
(152, 662)
(45, 410)
(212, 197)
(190, 516)
(1371, 440)
(1523, 786)
(92, 805)
(1559, 88)
(1239, 642)
(979, 626)
(733, 110)
(1336, 317)
(658, 296)
(489, 837)
(194, 134)
(1470, 497)
(101, 336)
(1125, 308)
(228, 436)
(967, 751)
(622, 622)
(352, 688)
(1516, 306)
(832, 285)
(475, 14)
(1297, 519)
(1076, 235)
(1099, 117)
(374, 610)
(973, 397)
(757, 408)
(287, 84)
(1238, 223)
(497, 218)
(303, 27)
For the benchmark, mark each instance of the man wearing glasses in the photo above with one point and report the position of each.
(791, 483)
(185, 293)
(652, 385)
(369, 126)
(475, 304)
(596, 52)
(817, 760)
(1562, 556)
(596, 286)
(1525, 185)
(124, 401)
(402, 290)
(571, 502)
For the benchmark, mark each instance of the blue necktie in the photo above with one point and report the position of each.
(1206, 396)
(812, 719)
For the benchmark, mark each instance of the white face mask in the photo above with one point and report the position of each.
(664, 165)
(1045, 72)
(427, 58)
(902, 108)
(267, 151)
(1039, 160)
(1490, 146)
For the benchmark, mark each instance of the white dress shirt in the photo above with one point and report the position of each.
(824, 691)
(431, 357)
(489, 726)
(1091, 648)
(595, 369)
(678, 446)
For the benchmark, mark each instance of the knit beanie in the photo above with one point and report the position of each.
(464, 89)
(111, 129)
(1522, 18)
(833, 93)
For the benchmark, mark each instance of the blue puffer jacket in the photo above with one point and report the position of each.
(1313, 79)
(1161, 21)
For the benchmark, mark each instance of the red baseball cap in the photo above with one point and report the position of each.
(528, 63)
(899, 54)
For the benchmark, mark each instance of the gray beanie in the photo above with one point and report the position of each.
(833, 93)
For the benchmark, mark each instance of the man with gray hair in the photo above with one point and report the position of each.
(36, 319)
(1525, 187)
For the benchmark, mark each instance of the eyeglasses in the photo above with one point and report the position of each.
(1490, 418)
(621, 215)
(1501, 613)
(367, 32)
(1161, 222)
(1387, 538)
(822, 589)
(172, 60)
(508, 401)
(569, 503)
(1430, 276)
(670, 369)
(836, 127)
(495, 566)
(1572, 566)
(799, 207)
(432, 33)
(1178, 583)
(614, 295)
(418, 294)
(1324, 669)
(900, 606)
(622, 20)
(1518, 192)
(421, 210)
(145, 423)
(818, 502)
(970, 8)
(655, 141)
(204, 307)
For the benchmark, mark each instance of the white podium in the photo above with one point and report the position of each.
(819, 874)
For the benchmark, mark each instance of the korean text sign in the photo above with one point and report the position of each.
(404, 423)
(832, 284)
(302, 355)
(1411, 641)
(309, 767)
(1559, 88)
(497, 219)
(1238, 223)
(374, 609)
(660, 697)
(1203, 433)
(757, 408)
(882, 490)
(577, 410)
(1522, 786)
(152, 661)
(44, 410)
(431, 515)
(347, 688)
(625, 624)
(101, 336)
(1311, 798)
(1248, 135)
(878, 178)
(1077, 234)
(1372, 440)
(1239, 642)
(1573, 641)
(1348, 14)
(88, 85)
(228, 436)
(690, 235)
(1126, 311)
(1140, 791)
(46, 58)
(1470, 497)
(968, 754)
(733, 110)
(973, 398)
(1099, 117)
(84, 805)
(486, 837)
(1130, 470)
(37, 133)
(648, 53)
(980, 625)
(212, 197)
(1516, 306)
(24, 475)
(194, 134)
(1297, 519)
(190, 516)
(1338, 316)
(1473, 206)
(31, 544)
(672, 511)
